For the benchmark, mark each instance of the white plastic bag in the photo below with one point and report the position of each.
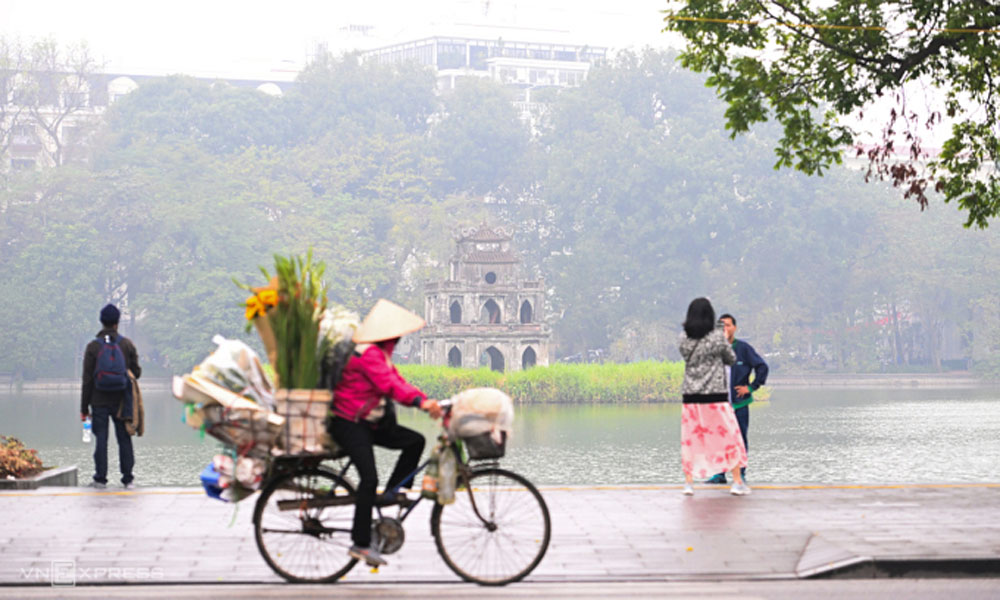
(236, 367)
(480, 410)
(338, 323)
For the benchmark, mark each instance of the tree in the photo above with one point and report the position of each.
(338, 93)
(816, 67)
(221, 118)
(42, 88)
(480, 139)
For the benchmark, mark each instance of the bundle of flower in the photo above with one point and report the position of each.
(287, 314)
(298, 330)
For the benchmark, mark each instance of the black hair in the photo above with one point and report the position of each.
(700, 318)
(728, 316)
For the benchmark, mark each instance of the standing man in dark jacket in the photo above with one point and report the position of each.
(101, 404)
(741, 389)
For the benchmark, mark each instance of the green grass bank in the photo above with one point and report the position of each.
(560, 383)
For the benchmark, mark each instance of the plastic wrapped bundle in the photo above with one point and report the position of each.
(232, 419)
(232, 480)
(483, 418)
(236, 367)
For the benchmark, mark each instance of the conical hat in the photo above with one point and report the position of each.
(385, 321)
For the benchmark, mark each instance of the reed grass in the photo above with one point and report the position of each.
(609, 383)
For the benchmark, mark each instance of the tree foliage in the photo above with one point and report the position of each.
(817, 67)
(629, 199)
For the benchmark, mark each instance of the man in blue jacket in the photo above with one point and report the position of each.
(741, 389)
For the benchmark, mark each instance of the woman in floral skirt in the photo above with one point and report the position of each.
(710, 435)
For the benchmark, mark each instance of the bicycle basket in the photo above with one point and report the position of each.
(483, 446)
(305, 412)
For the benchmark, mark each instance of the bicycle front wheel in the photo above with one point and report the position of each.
(302, 523)
(496, 531)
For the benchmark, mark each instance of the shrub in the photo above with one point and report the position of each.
(648, 381)
(16, 460)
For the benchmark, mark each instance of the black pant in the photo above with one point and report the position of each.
(743, 418)
(99, 416)
(358, 439)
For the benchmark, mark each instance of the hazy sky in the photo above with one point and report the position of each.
(253, 37)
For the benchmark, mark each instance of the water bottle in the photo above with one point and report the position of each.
(429, 487)
(447, 476)
(87, 436)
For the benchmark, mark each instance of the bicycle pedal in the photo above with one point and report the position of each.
(374, 571)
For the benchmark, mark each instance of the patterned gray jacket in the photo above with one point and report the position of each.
(704, 367)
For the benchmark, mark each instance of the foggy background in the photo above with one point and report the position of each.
(625, 192)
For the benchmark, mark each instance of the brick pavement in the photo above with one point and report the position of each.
(633, 533)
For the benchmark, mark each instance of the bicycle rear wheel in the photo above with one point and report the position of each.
(508, 537)
(302, 524)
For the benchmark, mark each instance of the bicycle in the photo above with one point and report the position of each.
(496, 532)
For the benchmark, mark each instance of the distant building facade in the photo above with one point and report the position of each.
(46, 118)
(521, 65)
(485, 313)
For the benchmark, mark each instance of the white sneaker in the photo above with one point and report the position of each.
(369, 555)
(740, 489)
(688, 490)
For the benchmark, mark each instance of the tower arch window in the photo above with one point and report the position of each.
(456, 312)
(454, 357)
(526, 312)
(529, 358)
(490, 277)
(492, 358)
(490, 312)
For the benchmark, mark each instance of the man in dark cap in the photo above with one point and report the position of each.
(105, 389)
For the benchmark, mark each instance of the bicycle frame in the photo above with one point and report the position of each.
(281, 465)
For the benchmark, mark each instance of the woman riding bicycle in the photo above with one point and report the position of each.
(364, 415)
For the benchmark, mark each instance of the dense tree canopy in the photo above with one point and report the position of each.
(627, 196)
(817, 67)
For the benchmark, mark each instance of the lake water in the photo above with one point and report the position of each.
(799, 436)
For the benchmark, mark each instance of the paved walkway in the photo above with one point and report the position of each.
(611, 533)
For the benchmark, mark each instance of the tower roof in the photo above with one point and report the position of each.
(484, 233)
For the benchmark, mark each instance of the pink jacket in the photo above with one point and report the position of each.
(369, 378)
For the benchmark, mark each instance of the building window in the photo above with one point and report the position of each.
(525, 312)
(456, 312)
(477, 57)
(450, 56)
(528, 359)
(22, 164)
(454, 357)
(75, 99)
(490, 312)
(491, 277)
(492, 358)
(24, 134)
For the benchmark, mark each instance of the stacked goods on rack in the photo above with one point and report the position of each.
(229, 397)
